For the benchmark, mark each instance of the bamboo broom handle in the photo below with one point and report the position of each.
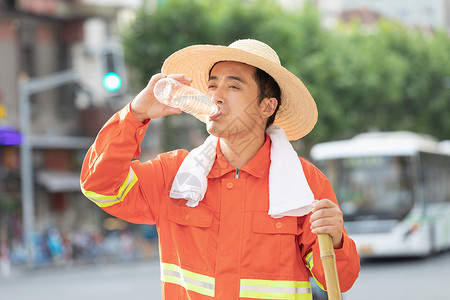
(329, 266)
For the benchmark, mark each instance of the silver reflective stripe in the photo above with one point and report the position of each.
(188, 280)
(271, 289)
(191, 281)
(275, 289)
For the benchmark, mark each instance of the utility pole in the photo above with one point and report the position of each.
(28, 87)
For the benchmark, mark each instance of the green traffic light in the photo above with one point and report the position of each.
(112, 82)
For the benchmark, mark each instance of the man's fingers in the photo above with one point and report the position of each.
(325, 213)
(155, 78)
(328, 221)
(327, 218)
(324, 229)
(171, 111)
(181, 78)
(325, 209)
(324, 203)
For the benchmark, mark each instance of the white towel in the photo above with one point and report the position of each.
(289, 192)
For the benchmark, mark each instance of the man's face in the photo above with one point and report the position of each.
(233, 88)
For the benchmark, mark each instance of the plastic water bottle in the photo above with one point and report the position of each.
(175, 94)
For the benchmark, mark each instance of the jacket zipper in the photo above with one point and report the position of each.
(237, 173)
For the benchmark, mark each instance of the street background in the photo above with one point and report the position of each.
(67, 66)
(404, 279)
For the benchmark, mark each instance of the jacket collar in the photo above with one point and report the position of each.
(257, 166)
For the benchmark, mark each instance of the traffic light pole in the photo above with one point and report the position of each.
(28, 87)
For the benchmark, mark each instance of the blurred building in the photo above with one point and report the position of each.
(54, 57)
(430, 14)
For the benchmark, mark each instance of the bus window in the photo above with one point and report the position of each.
(435, 177)
(373, 188)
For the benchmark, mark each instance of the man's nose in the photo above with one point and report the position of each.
(216, 96)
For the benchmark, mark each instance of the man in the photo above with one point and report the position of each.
(236, 216)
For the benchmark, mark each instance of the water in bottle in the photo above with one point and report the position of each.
(175, 94)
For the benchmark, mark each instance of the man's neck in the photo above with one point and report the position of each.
(238, 153)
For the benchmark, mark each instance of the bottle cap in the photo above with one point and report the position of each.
(162, 89)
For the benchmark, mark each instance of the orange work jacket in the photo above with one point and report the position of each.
(227, 247)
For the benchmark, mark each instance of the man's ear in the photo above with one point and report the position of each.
(268, 106)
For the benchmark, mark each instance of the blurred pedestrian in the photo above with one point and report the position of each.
(236, 216)
(55, 245)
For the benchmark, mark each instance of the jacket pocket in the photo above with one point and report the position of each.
(190, 229)
(274, 244)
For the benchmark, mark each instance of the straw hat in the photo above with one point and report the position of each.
(297, 114)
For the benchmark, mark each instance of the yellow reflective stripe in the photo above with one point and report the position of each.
(275, 289)
(310, 265)
(191, 281)
(309, 261)
(108, 200)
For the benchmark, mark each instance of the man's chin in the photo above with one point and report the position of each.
(213, 130)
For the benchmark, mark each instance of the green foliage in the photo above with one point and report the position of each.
(386, 77)
(7, 204)
(154, 36)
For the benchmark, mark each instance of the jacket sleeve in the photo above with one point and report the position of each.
(127, 189)
(347, 258)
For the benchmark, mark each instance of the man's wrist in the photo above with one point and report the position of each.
(138, 116)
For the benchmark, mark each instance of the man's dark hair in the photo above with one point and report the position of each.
(268, 88)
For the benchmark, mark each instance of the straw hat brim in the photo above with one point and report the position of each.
(297, 114)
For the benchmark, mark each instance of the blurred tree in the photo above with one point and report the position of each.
(386, 77)
(154, 35)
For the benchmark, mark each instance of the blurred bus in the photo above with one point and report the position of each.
(393, 189)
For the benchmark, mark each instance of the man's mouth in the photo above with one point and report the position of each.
(215, 115)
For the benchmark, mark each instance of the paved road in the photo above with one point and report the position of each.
(407, 279)
(130, 281)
